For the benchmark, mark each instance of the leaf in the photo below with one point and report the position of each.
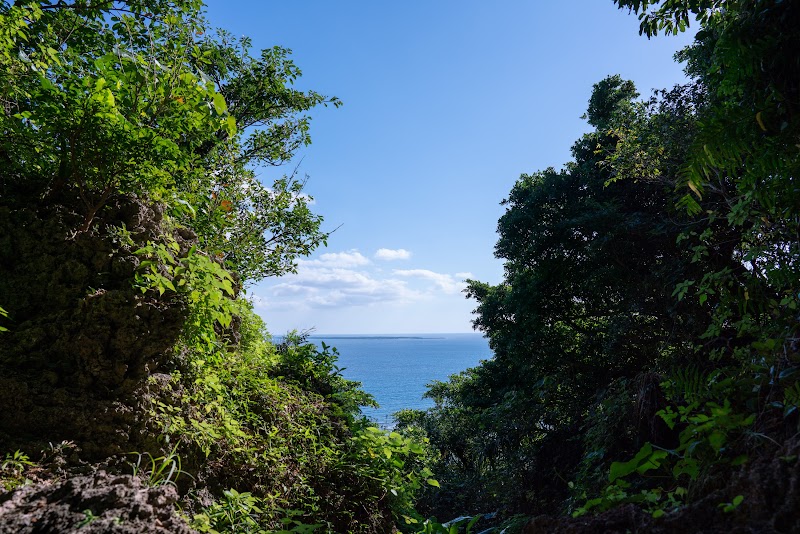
(416, 448)
(789, 371)
(621, 469)
(433, 482)
(219, 104)
(687, 467)
(760, 122)
(653, 462)
(695, 189)
(188, 207)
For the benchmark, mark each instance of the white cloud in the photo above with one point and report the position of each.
(444, 282)
(351, 258)
(465, 275)
(257, 301)
(387, 254)
(342, 281)
(316, 285)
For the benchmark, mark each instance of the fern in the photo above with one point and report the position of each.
(688, 384)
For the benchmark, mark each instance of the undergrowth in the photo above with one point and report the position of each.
(273, 431)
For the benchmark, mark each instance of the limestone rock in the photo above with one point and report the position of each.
(92, 504)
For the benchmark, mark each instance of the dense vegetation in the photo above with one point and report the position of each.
(646, 335)
(133, 130)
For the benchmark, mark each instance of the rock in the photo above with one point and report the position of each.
(82, 341)
(92, 504)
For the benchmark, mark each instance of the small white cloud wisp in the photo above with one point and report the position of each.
(337, 260)
(388, 254)
(444, 282)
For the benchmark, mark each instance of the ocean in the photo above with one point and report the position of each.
(395, 369)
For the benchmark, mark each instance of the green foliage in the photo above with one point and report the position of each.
(12, 470)
(205, 286)
(667, 248)
(670, 16)
(656, 501)
(158, 471)
(392, 463)
(645, 460)
(142, 98)
(242, 512)
(704, 444)
(741, 167)
(315, 370)
(740, 171)
(258, 230)
(139, 99)
(116, 92)
(88, 517)
(706, 434)
(4, 314)
(453, 526)
(728, 507)
(590, 262)
(281, 424)
(791, 399)
(712, 437)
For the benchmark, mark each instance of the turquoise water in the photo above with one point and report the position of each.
(396, 368)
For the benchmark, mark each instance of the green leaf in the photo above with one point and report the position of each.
(416, 448)
(433, 482)
(621, 469)
(739, 460)
(652, 462)
(716, 439)
(688, 467)
(219, 104)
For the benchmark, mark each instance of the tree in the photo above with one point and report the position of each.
(102, 99)
(655, 274)
(585, 310)
(132, 113)
(743, 165)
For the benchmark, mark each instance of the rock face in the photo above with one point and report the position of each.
(92, 504)
(82, 341)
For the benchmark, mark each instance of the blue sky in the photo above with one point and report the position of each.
(446, 103)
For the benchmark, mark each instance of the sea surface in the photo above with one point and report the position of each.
(396, 368)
